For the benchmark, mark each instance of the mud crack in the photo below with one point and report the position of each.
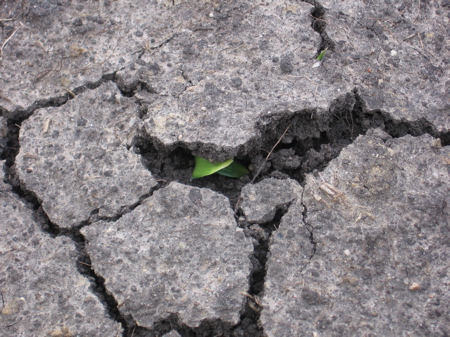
(310, 229)
(16, 118)
(250, 324)
(315, 138)
(83, 262)
(148, 48)
(319, 25)
(98, 285)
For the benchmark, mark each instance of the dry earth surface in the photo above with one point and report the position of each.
(340, 229)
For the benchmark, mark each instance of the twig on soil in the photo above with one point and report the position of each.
(41, 75)
(11, 325)
(267, 158)
(4, 43)
(318, 18)
(252, 8)
(409, 37)
(46, 126)
(70, 92)
(255, 303)
(420, 40)
(85, 264)
(6, 19)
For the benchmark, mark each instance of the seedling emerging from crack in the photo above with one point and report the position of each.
(322, 54)
(228, 168)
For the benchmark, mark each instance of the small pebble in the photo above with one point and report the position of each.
(414, 286)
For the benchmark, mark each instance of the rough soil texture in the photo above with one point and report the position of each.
(35, 269)
(162, 257)
(340, 229)
(86, 152)
(380, 239)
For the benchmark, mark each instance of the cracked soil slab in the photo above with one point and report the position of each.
(397, 53)
(364, 250)
(208, 88)
(260, 201)
(42, 293)
(210, 84)
(66, 45)
(379, 219)
(179, 252)
(76, 157)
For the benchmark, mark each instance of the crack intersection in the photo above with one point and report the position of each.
(343, 115)
(300, 153)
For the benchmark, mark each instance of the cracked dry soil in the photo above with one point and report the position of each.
(341, 229)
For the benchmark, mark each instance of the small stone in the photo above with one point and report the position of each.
(415, 286)
(436, 143)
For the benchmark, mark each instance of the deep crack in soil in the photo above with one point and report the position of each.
(250, 324)
(83, 262)
(308, 141)
(311, 141)
(319, 24)
(310, 229)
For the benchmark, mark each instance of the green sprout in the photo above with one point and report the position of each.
(229, 168)
(322, 54)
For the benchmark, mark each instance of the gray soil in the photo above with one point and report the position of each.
(340, 229)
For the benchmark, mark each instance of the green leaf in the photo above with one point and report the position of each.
(228, 168)
(204, 167)
(234, 170)
(322, 54)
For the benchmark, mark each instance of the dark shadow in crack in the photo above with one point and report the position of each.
(319, 24)
(250, 324)
(312, 140)
(173, 322)
(315, 138)
(310, 229)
